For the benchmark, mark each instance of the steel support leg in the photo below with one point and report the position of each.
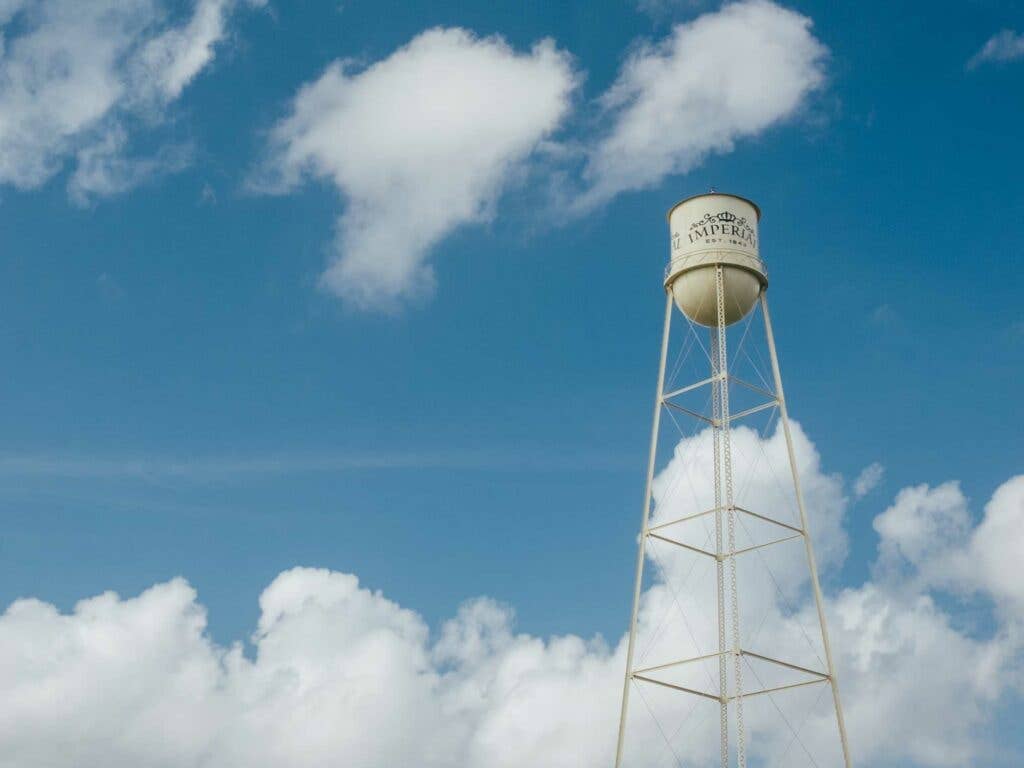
(808, 545)
(644, 521)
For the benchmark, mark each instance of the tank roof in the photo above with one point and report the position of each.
(756, 207)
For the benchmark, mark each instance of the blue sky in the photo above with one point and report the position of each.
(183, 395)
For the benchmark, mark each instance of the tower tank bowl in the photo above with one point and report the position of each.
(707, 231)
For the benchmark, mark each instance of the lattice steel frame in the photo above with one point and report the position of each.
(725, 553)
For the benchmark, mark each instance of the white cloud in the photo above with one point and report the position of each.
(426, 140)
(74, 74)
(922, 522)
(418, 144)
(930, 545)
(1005, 45)
(931, 531)
(997, 547)
(762, 485)
(339, 672)
(102, 168)
(170, 61)
(724, 76)
(917, 689)
(868, 479)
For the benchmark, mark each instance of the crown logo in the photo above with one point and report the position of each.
(726, 216)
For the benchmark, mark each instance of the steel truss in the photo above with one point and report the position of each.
(725, 512)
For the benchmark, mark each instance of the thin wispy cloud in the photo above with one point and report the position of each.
(77, 79)
(887, 317)
(660, 9)
(1005, 45)
(868, 479)
(213, 468)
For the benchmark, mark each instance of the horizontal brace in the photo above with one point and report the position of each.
(690, 388)
(684, 519)
(754, 387)
(682, 661)
(779, 688)
(770, 520)
(687, 411)
(676, 687)
(755, 409)
(712, 555)
(766, 544)
(784, 663)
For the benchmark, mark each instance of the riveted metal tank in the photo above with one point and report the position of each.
(710, 230)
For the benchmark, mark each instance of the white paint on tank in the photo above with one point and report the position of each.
(707, 231)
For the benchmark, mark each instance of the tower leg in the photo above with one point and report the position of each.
(641, 546)
(808, 545)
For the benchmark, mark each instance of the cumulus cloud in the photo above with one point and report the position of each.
(997, 545)
(338, 672)
(1005, 45)
(724, 76)
(418, 144)
(427, 139)
(921, 523)
(762, 485)
(917, 689)
(930, 546)
(931, 531)
(75, 75)
(868, 479)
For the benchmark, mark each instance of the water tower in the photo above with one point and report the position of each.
(718, 282)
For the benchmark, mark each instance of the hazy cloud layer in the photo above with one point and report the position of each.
(341, 673)
(417, 144)
(74, 76)
(1005, 45)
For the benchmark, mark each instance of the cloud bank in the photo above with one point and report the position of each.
(339, 674)
(77, 77)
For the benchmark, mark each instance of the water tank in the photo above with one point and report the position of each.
(708, 230)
